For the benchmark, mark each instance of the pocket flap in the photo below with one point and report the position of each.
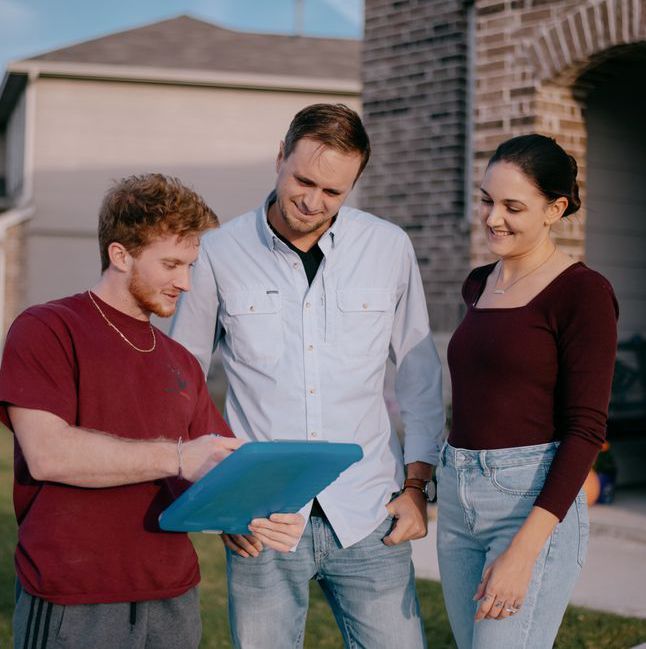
(365, 299)
(251, 302)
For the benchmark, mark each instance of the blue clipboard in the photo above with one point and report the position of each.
(258, 479)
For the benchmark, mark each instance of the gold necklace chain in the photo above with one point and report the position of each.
(105, 317)
(502, 291)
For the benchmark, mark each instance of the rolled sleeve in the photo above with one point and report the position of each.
(418, 384)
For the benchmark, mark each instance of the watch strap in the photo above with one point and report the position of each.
(415, 483)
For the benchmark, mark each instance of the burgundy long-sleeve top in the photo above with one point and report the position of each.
(536, 374)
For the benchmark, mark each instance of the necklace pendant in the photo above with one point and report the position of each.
(499, 291)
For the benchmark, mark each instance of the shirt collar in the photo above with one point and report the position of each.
(270, 238)
(267, 234)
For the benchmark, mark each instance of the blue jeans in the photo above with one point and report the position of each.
(483, 499)
(369, 586)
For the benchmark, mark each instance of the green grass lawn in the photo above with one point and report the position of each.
(581, 629)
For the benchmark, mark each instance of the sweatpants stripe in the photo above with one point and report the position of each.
(25, 644)
(48, 615)
(39, 612)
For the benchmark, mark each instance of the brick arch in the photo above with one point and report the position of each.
(569, 44)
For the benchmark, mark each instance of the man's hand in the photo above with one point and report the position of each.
(279, 532)
(411, 517)
(200, 455)
(246, 545)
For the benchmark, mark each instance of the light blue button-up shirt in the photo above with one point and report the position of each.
(308, 362)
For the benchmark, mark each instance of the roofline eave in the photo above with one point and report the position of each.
(181, 76)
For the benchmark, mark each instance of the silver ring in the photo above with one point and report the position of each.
(511, 609)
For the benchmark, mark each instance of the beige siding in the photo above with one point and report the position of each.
(13, 248)
(15, 150)
(222, 142)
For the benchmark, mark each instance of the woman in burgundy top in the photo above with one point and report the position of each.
(531, 367)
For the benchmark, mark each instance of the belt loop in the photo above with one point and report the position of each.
(443, 454)
(482, 457)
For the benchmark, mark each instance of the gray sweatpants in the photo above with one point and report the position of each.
(157, 624)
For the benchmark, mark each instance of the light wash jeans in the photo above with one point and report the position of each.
(369, 586)
(483, 499)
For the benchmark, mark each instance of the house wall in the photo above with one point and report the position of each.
(526, 73)
(510, 99)
(415, 97)
(222, 142)
(15, 150)
(13, 256)
(571, 69)
(616, 227)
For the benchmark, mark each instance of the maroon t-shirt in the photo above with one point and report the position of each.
(79, 545)
(536, 374)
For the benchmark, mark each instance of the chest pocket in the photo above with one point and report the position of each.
(253, 326)
(365, 318)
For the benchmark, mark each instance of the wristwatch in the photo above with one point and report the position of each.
(427, 487)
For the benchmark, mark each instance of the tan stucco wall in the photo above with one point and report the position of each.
(223, 142)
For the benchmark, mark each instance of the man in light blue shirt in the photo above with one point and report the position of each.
(306, 300)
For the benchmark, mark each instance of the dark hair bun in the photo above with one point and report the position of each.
(574, 201)
(546, 164)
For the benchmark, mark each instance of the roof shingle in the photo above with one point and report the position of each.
(187, 43)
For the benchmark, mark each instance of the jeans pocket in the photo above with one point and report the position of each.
(520, 480)
(583, 519)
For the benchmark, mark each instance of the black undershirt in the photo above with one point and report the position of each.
(311, 259)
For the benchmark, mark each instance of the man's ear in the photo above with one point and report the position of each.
(120, 258)
(281, 156)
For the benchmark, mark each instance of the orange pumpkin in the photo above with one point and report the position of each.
(592, 487)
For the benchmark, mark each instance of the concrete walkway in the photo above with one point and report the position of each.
(614, 575)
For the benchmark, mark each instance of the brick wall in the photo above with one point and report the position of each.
(414, 107)
(510, 100)
(529, 58)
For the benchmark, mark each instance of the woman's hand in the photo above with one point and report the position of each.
(505, 581)
(504, 584)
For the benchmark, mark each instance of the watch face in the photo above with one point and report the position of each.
(431, 491)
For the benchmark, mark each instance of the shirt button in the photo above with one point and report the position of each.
(364, 306)
(295, 264)
(312, 391)
(310, 348)
(313, 433)
(307, 305)
(252, 308)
